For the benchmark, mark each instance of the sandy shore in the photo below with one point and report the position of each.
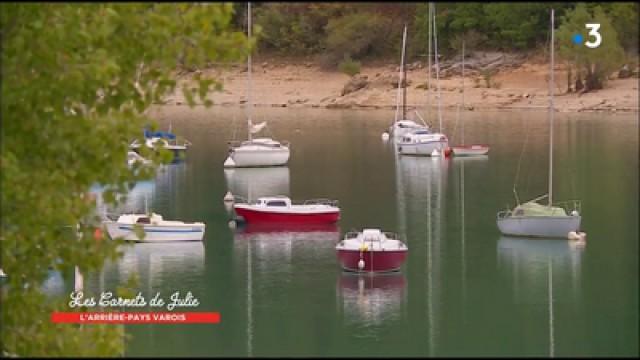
(303, 84)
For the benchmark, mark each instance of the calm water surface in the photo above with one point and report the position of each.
(464, 290)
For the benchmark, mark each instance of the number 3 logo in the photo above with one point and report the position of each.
(593, 32)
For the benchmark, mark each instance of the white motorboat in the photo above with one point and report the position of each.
(536, 220)
(371, 250)
(133, 157)
(422, 142)
(259, 151)
(164, 140)
(154, 227)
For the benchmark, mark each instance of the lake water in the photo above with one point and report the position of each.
(464, 290)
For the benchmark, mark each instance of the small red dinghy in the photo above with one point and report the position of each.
(371, 250)
(279, 209)
(470, 150)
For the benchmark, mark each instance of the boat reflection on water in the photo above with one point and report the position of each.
(267, 250)
(261, 231)
(421, 194)
(534, 265)
(371, 299)
(252, 183)
(173, 265)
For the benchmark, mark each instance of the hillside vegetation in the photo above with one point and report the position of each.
(339, 35)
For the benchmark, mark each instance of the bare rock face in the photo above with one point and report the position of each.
(388, 81)
(356, 83)
(624, 73)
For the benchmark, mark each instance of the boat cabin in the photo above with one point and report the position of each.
(274, 201)
(372, 235)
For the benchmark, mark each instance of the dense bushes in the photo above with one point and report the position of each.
(364, 30)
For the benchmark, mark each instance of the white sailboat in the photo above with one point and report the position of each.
(462, 149)
(401, 125)
(424, 141)
(254, 152)
(534, 219)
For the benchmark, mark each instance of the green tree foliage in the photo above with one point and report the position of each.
(354, 36)
(296, 28)
(624, 18)
(592, 65)
(349, 66)
(76, 81)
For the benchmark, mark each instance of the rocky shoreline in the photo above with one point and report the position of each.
(513, 83)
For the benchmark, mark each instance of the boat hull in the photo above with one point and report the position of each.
(260, 157)
(155, 233)
(258, 216)
(423, 148)
(539, 226)
(374, 261)
(472, 150)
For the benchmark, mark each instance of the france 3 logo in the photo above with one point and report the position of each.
(578, 39)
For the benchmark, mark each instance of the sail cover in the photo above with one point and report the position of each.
(534, 209)
(161, 134)
(257, 127)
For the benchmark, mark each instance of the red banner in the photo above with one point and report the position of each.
(135, 317)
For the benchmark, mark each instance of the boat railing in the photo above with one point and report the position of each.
(234, 143)
(390, 235)
(328, 202)
(240, 199)
(570, 205)
(110, 216)
(351, 235)
(503, 214)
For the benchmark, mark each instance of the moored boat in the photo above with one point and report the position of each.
(422, 142)
(155, 228)
(280, 209)
(470, 150)
(371, 250)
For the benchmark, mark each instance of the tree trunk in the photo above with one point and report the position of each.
(568, 78)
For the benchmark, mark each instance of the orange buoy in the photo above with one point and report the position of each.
(97, 234)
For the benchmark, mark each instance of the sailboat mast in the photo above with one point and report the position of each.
(401, 76)
(404, 74)
(435, 46)
(249, 102)
(551, 85)
(462, 89)
(429, 63)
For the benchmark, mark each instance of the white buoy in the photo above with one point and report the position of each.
(229, 162)
(435, 153)
(579, 236)
(232, 224)
(385, 136)
(361, 264)
(2, 274)
(228, 197)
